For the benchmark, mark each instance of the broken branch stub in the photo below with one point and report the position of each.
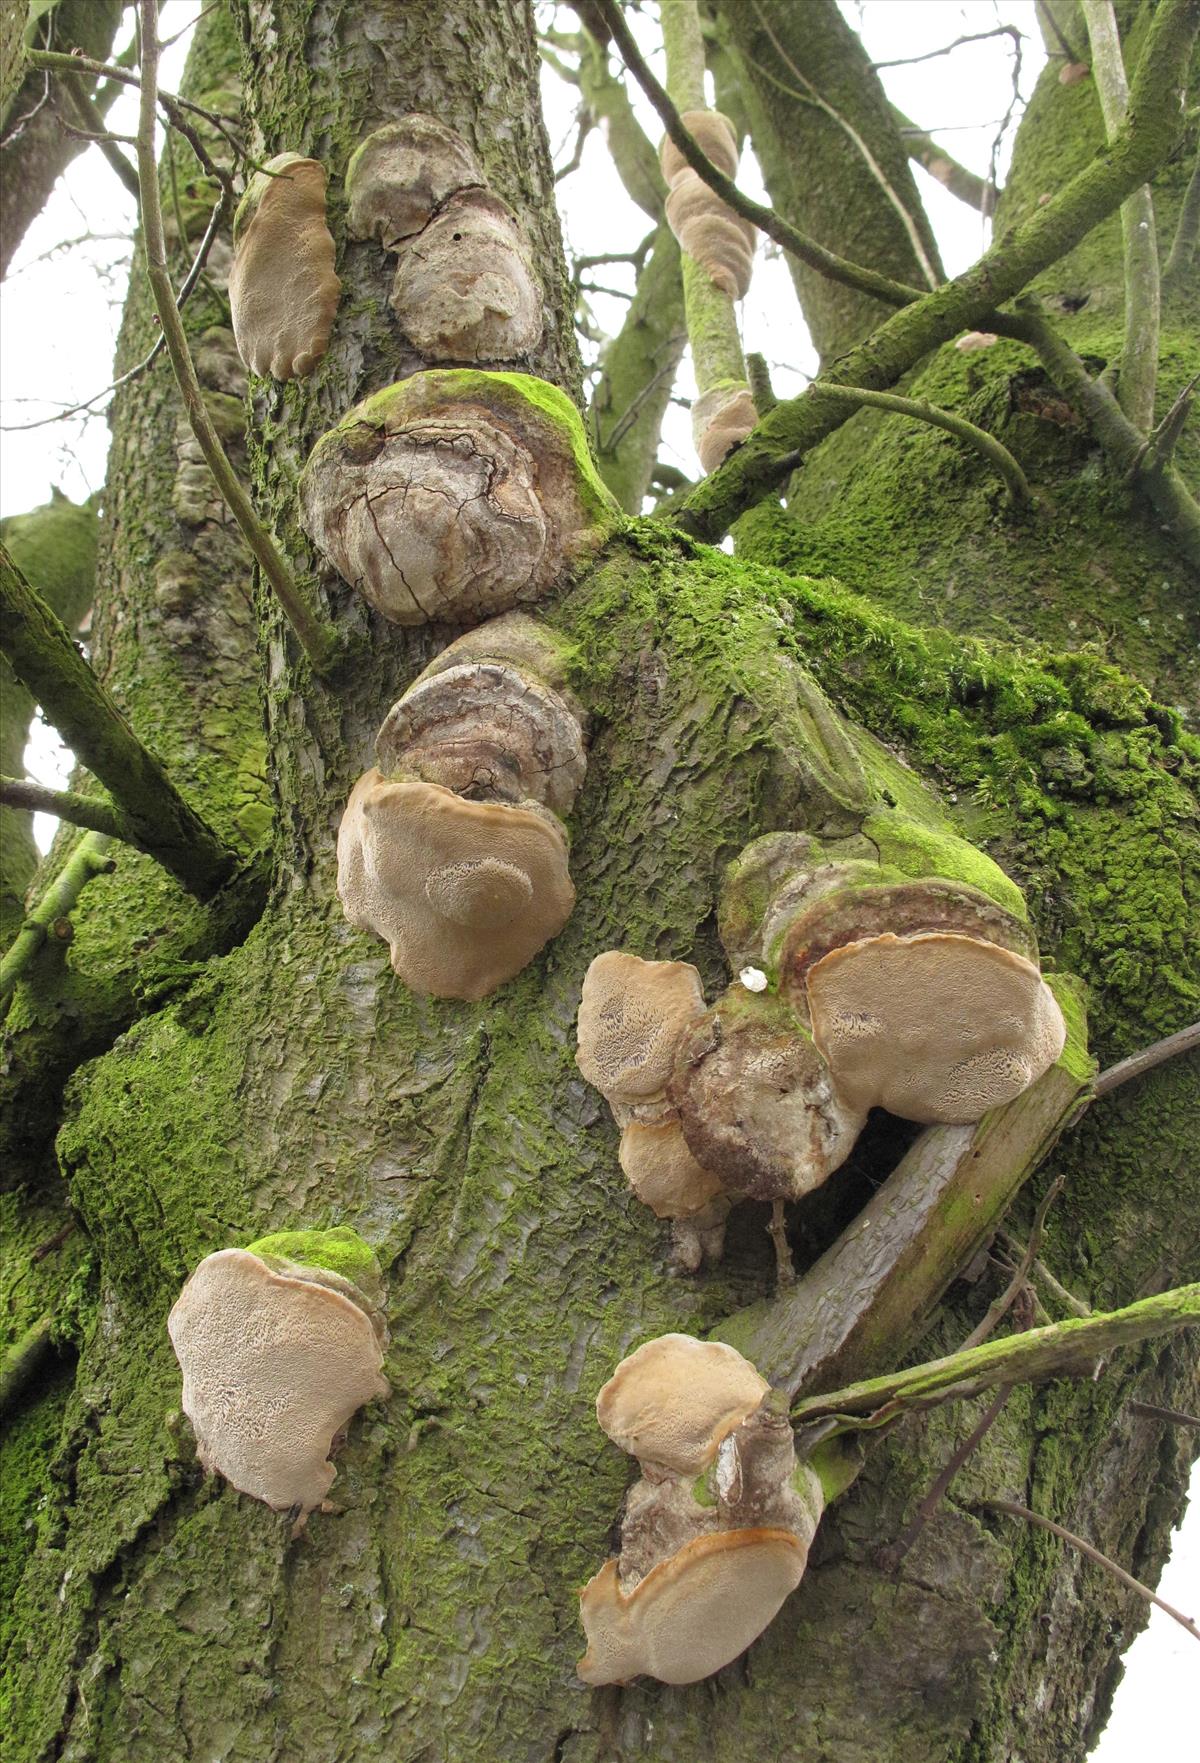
(455, 495)
(276, 1357)
(283, 292)
(465, 287)
(697, 1579)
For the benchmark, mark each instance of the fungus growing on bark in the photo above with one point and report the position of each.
(464, 893)
(632, 1014)
(464, 288)
(719, 240)
(455, 495)
(697, 1580)
(909, 953)
(276, 1357)
(492, 719)
(756, 1101)
(721, 418)
(283, 293)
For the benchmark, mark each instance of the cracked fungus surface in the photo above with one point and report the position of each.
(444, 522)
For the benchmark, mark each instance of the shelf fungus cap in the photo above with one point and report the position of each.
(489, 731)
(721, 242)
(693, 1613)
(465, 287)
(934, 1027)
(721, 418)
(631, 1016)
(400, 176)
(274, 1365)
(713, 133)
(455, 495)
(464, 893)
(673, 1401)
(757, 1103)
(283, 293)
(662, 1171)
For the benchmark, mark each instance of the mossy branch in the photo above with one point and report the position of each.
(23, 1362)
(827, 263)
(89, 858)
(993, 450)
(1187, 231)
(43, 656)
(100, 817)
(316, 638)
(867, 1299)
(1064, 1349)
(1139, 351)
(794, 428)
(968, 186)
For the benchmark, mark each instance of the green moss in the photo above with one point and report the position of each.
(339, 1250)
(916, 851)
(54, 547)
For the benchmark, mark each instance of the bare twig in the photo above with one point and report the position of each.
(785, 1267)
(1041, 1272)
(1156, 454)
(828, 263)
(1148, 1058)
(967, 185)
(893, 1553)
(993, 450)
(1176, 1416)
(996, 1312)
(316, 638)
(1139, 350)
(1013, 1510)
(1002, 30)
(93, 120)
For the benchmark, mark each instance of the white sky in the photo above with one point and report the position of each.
(59, 312)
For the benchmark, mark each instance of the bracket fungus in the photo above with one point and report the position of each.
(719, 240)
(283, 292)
(722, 417)
(455, 495)
(464, 287)
(697, 1580)
(715, 1106)
(464, 893)
(492, 719)
(276, 1357)
(909, 954)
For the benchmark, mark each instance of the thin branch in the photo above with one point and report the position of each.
(993, 450)
(1064, 1349)
(1164, 439)
(779, 443)
(1175, 1416)
(171, 104)
(997, 1311)
(316, 638)
(1148, 1058)
(827, 263)
(88, 859)
(43, 656)
(1183, 246)
(92, 119)
(967, 185)
(23, 1362)
(68, 805)
(1002, 30)
(1013, 1510)
(215, 222)
(1041, 1272)
(1067, 51)
(1139, 349)
(893, 1553)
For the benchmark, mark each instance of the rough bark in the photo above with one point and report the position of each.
(292, 1080)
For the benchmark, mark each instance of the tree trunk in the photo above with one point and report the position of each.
(280, 1076)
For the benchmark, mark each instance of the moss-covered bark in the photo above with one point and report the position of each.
(292, 1082)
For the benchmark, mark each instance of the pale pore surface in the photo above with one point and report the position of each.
(662, 1171)
(933, 1028)
(464, 288)
(673, 1400)
(444, 522)
(283, 292)
(273, 1368)
(631, 1016)
(720, 419)
(464, 893)
(692, 1614)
